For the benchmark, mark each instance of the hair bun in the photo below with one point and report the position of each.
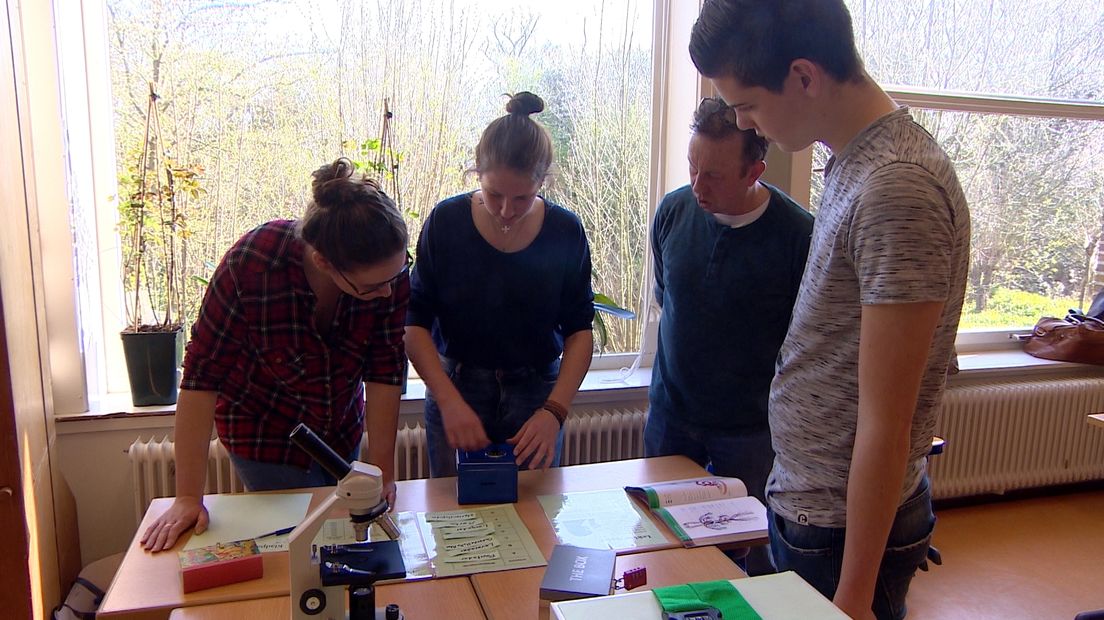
(524, 104)
(331, 184)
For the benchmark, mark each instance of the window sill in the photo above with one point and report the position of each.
(1010, 363)
(604, 386)
(599, 386)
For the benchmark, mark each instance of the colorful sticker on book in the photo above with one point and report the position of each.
(218, 552)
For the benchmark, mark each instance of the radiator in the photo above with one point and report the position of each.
(411, 454)
(589, 437)
(1003, 436)
(603, 435)
(153, 466)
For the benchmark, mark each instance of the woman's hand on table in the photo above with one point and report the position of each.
(179, 518)
(536, 441)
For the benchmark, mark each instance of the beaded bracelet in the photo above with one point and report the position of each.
(557, 410)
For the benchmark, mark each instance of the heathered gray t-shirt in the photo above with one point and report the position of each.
(893, 227)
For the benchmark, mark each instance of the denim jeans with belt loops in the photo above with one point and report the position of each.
(816, 553)
(504, 399)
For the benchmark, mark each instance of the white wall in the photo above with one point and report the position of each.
(92, 455)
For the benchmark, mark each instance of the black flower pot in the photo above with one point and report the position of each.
(152, 359)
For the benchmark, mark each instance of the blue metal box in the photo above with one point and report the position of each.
(488, 476)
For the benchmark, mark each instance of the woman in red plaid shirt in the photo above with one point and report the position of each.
(302, 322)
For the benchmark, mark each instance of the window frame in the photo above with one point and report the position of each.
(792, 172)
(976, 340)
(87, 342)
(675, 90)
(85, 118)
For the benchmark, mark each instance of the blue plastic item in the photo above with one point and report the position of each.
(488, 476)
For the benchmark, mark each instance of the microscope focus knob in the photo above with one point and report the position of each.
(312, 602)
(392, 612)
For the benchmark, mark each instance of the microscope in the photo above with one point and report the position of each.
(320, 575)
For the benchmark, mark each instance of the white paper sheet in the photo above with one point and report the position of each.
(249, 515)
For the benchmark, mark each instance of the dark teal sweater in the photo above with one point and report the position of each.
(727, 294)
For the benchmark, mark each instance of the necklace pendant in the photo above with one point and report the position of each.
(505, 229)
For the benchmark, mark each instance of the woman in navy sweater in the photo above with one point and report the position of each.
(501, 307)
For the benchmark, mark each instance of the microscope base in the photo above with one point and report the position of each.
(381, 614)
(360, 605)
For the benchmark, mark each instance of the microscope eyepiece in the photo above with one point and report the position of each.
(313, 445)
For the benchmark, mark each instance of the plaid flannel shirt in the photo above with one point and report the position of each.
(256, 345)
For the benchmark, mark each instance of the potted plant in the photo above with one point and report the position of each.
(377, 158)
(152, 229)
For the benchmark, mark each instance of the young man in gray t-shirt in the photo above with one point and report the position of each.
(862, 370)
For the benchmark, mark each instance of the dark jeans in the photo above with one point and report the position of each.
(258, 476)
(747, 456)
(504, 400)
(816, 553)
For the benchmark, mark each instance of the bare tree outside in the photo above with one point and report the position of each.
(259, 93)
(1034, 185)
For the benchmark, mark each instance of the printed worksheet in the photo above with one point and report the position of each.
(478, 540)
(726, 520)
(601, 520)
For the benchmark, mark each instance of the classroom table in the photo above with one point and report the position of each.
(148, 585)
(515, 594)
(434, 598)
(505, 595)
(595, 477)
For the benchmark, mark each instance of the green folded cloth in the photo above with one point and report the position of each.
(719, 594)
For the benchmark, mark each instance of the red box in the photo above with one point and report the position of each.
(218, 565)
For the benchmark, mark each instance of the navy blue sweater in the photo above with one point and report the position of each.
(496, 310)
(727, 294)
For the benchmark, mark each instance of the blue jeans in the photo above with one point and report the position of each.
(258, 476)
(747, 456)
(816, 553)
(504, 400)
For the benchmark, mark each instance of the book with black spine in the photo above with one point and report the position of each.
(577, 572)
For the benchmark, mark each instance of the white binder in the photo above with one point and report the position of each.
(784, 596)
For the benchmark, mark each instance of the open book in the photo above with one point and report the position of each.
(705, 511)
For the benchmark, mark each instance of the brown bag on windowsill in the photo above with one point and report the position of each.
(1076, 338)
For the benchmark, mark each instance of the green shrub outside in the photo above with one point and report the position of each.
(1013, 308)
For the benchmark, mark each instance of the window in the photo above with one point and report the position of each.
(311, 85)
(260, 94)
(1027, 151)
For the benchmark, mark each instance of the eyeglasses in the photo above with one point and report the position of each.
(375, 287)
(715, 106)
